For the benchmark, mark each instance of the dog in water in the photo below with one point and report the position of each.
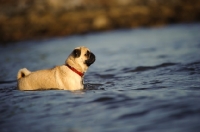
(68, 76)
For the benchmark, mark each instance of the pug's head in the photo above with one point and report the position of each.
(81, 58)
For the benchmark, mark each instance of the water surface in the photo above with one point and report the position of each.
(145, 79)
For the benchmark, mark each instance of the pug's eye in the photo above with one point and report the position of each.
(76, 53)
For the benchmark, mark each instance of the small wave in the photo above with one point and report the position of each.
(105, 75)
(151, 88)
(8, 85)
(9, 81)
(109, 70)
(8, 88)
(134, 114)
(162, 56)
(146, 68)
(89, 86)
(155, 81)
(192, 68)
(193, 88)
(104, 99)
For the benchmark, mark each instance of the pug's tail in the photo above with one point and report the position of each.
(22, 73)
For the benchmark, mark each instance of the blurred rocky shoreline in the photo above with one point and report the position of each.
(36, 19)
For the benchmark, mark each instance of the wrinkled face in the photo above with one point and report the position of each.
(82, 55)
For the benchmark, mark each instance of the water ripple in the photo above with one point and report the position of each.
(145, 68)
(149, 80)
(133, 115)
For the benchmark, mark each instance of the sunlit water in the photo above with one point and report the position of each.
(145, 79)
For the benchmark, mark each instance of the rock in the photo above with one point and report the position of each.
(101, 22)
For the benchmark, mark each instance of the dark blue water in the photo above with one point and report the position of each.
(145, 79)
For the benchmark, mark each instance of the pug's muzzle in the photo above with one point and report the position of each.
(91, 58)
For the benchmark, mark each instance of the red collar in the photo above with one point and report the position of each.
(74, 70)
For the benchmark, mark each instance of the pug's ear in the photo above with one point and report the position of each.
(76, 53)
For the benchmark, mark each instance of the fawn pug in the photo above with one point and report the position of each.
(68, 76)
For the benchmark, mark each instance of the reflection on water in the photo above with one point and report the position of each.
(142, 80)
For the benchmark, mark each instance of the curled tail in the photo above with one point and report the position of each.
(22, 73)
